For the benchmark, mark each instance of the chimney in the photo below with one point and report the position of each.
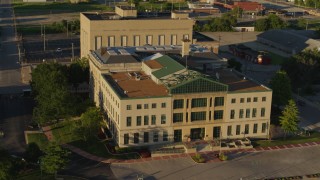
(185, 47)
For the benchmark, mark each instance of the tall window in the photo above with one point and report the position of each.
(199, 102)
(218, 115)
(98, 42)
(165, 136)
(155, 136)
(241, 113)
(264, 127)
(149, 39)
(178, 103)
(146, 120)
(232, 113)
(186, 36)
(153, 119)
(146, 137)
(146, 106)
(111, 41)
(263, 112)
(128, 107)
(254, 112)
(264, 98)
(163, 119)
(255, 128)
(177, 117)
(233, 100)
(129, 121)
(246, 129)
(248, 100)
(136, 40)
(255, 99)
(229, 132)
(174, 39)
(139, 106)
(126, 139)
(219, 101)
(124, 40)
(238, 128)
(161, 40)
(138, 120)
(247, 113)
(136, 138)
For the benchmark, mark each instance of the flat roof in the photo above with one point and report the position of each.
(126, 85)
(237, 82)
(114, 16)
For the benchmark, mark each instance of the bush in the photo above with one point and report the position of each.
(223, 157)
(198, 158)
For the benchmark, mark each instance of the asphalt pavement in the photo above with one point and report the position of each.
(15, 113)
(10, 75)
(257, 165)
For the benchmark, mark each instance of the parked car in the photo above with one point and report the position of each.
(1, 134)
(301, 103)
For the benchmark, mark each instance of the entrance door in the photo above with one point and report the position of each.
(197, 133)
(177, 135)
(216, 131)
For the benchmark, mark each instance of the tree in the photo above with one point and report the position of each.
(78, 72)
(275, 22)
(32, 153)
(55, 159)
(6, 165)
(289, 118)
(261, 25)
(281, 87)
(50, 86)
(89, 123)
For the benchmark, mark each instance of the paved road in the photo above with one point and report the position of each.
(10, 76)
(14, 113)
(85, 168)
(278, 163)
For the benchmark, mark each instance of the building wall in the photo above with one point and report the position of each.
(108, 30)
(262, 123)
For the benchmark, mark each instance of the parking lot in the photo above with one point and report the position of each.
(57, 47)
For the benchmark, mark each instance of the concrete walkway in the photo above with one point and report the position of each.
(209, 156)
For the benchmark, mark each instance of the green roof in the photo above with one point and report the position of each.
(169, 66)
(198, 85)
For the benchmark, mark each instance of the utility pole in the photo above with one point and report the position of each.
(67, 29)
(72, 51)
(44, 37)
(19, 51)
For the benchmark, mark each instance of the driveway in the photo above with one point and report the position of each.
(257, 165)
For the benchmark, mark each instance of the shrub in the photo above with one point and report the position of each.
(198, 158)
(223, 157)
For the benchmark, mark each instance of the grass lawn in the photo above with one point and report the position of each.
(315, 136)
(276, 59)
(55, 7)
(63, 132)
(38, 138)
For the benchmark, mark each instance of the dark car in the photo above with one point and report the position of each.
(301, 103)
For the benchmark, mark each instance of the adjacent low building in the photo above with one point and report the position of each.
(125, 27)
(149, 97)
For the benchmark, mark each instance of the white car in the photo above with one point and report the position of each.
(1, 134)
(59, 50)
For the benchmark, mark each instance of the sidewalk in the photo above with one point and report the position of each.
(210, 156)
